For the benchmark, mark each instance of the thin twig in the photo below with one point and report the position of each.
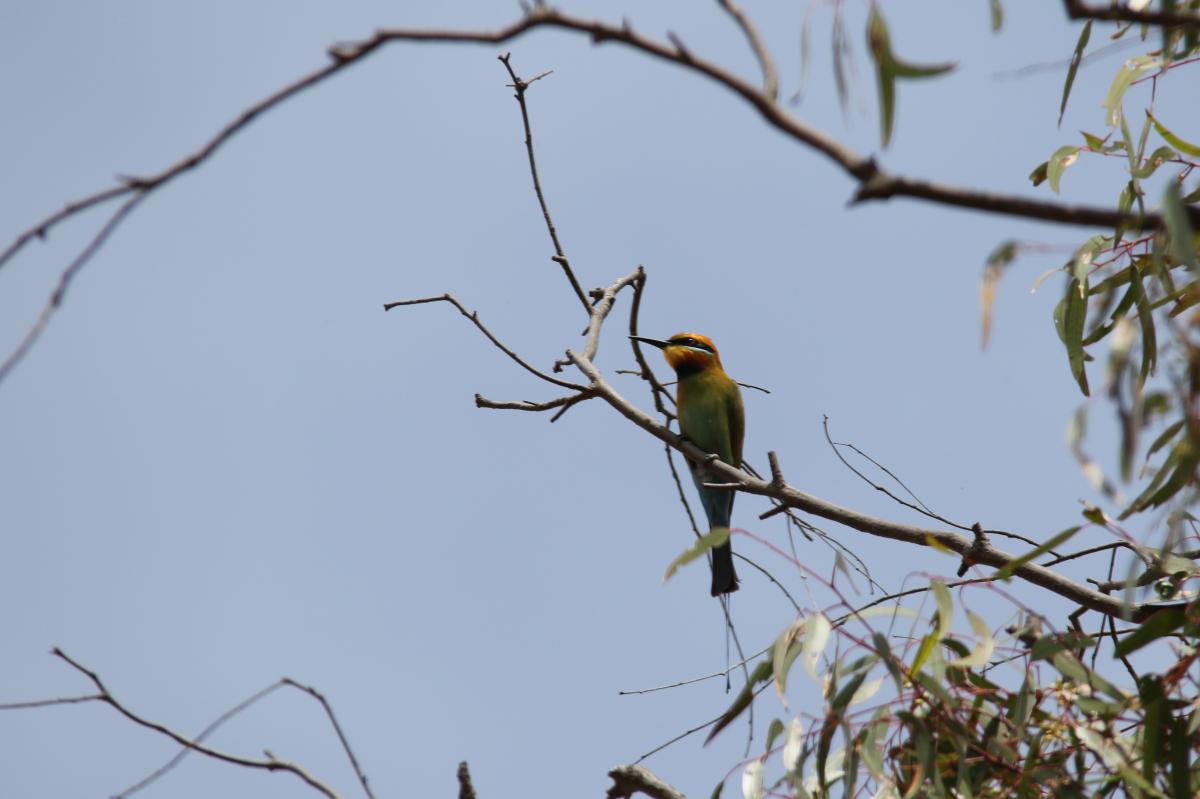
(64, 282)
(66, 700)
(337, 728)
(770, 78)
(874, 183)
(207, 731)
(271, 764)
(474, 317)
(560, 257)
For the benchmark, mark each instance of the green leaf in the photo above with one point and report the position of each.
(842, 700)
(889, 67)
(1173, 140)
(997, 15)
(1084, 35)
(1074, 317)
(1181, 750)
(983, 649)
(1063, 157)
(1181, 239)
(761, 673)
(1164, 437)
(816, 636)
(714, 538)
(1164, 622)
(945, 606)
(997, 262)
(1096, 143)
(716, 794)
(1151, 693)
(1037, 552)
(1038, 176)
(1149, 331)
(1156, 159)
(773, 732)
(784, 653)
(1133, 69)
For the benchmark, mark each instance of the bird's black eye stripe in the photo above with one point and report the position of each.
(688, 341)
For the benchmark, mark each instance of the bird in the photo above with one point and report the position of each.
(711, 416)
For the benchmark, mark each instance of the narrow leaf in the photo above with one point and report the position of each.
(997, 262)
(1173, 140)
(816, 636)
(1164, 622)
(1037, 552)
(1181, 239)
(1133, 69)
(714, 538)
(1080, 45)
(752, 780)
(793, 744)
(982, 652)
(1074, 318)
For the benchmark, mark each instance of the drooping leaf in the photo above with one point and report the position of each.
(889, 67)
(1133, 69)
(997, 262)
(761, 673)
(752, 780)
(1181, 238)
(714, 538)
(783, 655)
(1038, 176)
(1074, 318)
(982, 652)
(1076, 57)
(1156, 159)
(816, 636)
(1170, 138)
(997, 15)
(793, 744)
(1164, 437)
(1149, 331)
(773, 732)
(1063, 157)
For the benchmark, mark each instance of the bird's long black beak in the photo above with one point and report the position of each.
(653, 342)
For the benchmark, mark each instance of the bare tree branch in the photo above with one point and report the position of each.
(271, 764)
(337, 728)
(560, 257)
(874, 182)
(474, 317)
(979, 551)
(628, 780)
(66, 700)
(64, 282)
(466, 789)
(766, 64)
(1077, 9)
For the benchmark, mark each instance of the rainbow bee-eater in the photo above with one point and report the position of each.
(709, 407)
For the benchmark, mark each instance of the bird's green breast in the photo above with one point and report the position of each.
(710, 413)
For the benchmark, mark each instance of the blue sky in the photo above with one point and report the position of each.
(224, 463)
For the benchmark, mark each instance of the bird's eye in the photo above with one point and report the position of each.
(690, 341)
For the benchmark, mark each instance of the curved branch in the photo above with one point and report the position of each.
(874, 182)
(979, 550)
(474, 317)
(271, 764)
